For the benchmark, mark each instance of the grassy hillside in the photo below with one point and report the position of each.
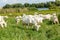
(13, 31)
(20, 11)
(20, 32)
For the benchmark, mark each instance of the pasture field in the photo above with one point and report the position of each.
(14, 13)
(19, 31)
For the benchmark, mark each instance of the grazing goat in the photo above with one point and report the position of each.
(2, 21)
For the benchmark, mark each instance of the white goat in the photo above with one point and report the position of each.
(30, 19)
(55, 19)
(2, 21)
(18, 18)
(48, 16)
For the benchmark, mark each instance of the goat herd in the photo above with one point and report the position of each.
(35, 19)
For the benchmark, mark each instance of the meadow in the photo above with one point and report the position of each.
(19, 31)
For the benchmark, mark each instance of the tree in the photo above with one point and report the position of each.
(57, 3)
(51, 4)
(17, 6)
(26, 5)
(36, 5)
(42, 5)
(7, 6)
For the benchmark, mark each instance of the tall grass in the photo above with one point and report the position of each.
(20, 32)
(13, 31)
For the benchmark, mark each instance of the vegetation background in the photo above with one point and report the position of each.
(13, 31)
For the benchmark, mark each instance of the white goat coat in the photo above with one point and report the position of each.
(29, 19)
(48, 16)
(55, 19)
(18, 18)
(38, 19)
(2, 21)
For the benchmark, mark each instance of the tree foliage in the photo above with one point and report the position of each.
(37, 5)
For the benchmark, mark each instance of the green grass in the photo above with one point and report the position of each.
(20, 32)
(32, 12)
(13, 31)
